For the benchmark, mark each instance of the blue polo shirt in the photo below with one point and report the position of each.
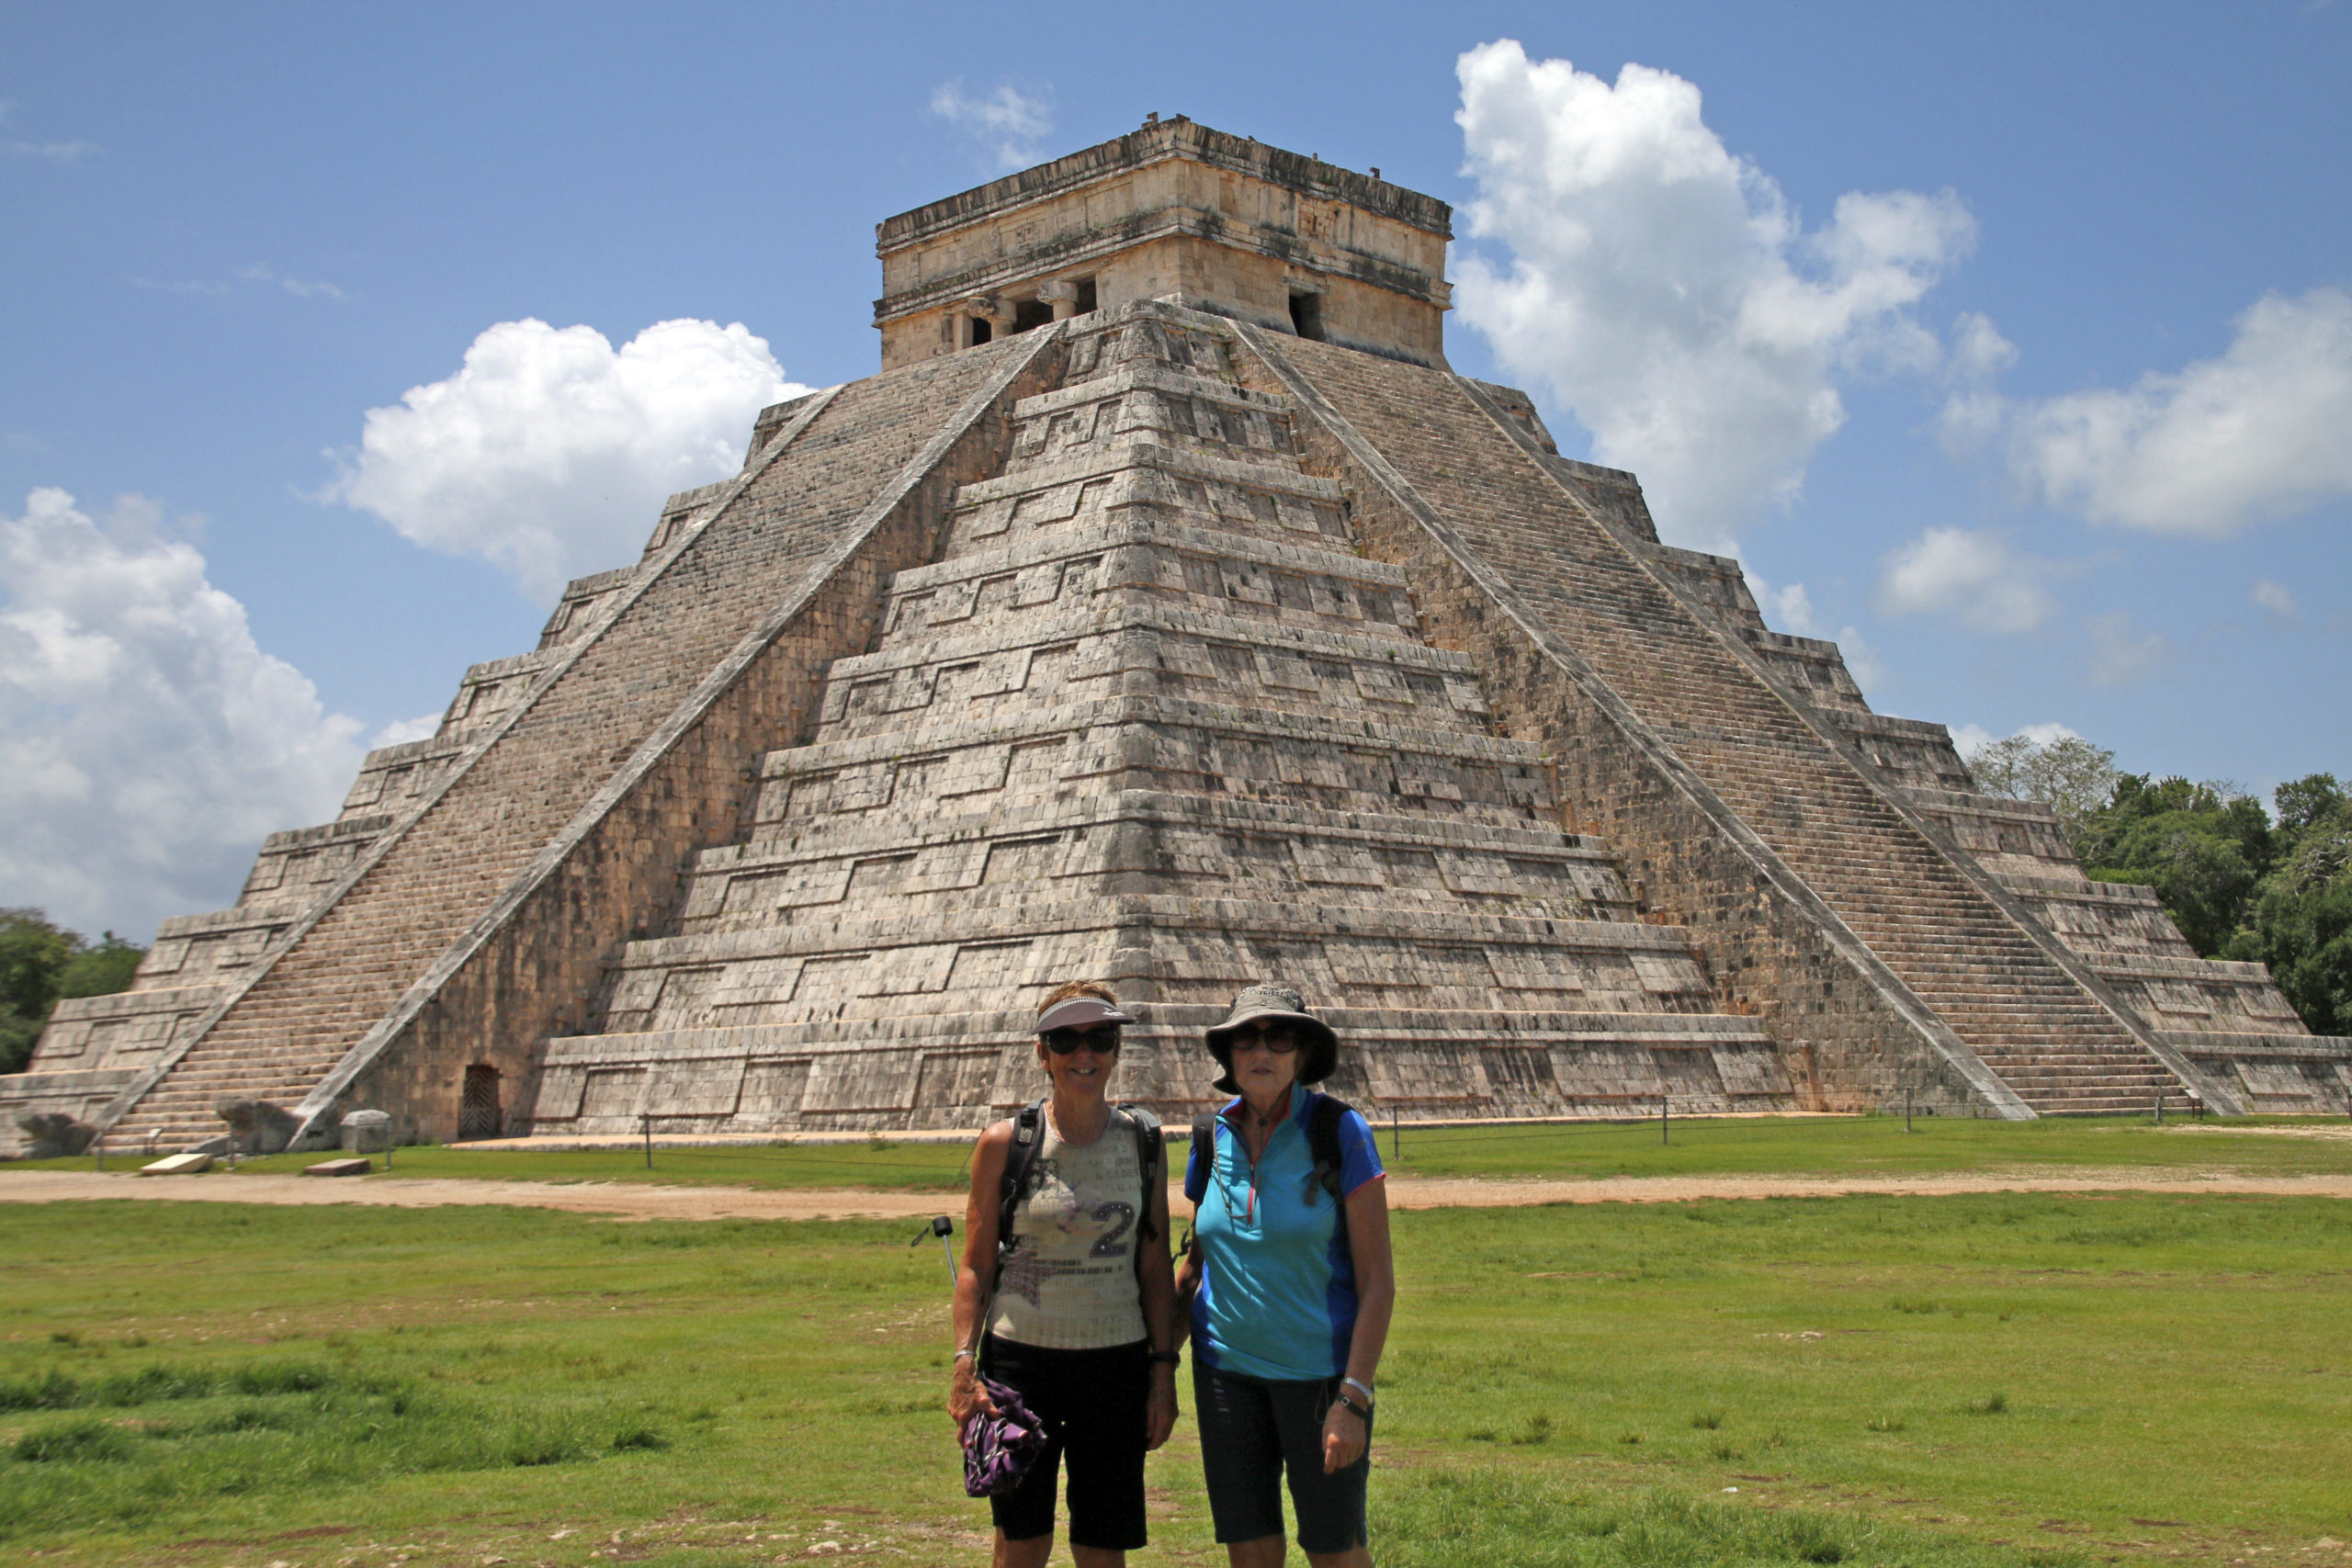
(1278, 1290)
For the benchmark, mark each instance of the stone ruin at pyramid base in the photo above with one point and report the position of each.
(1168, 613)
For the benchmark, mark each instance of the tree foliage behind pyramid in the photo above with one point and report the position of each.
(1166, 613)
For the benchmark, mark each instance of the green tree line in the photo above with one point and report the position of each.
(2270, 887)
(41, 962)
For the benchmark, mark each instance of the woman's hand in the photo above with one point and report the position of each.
(966, 1395)
(1344, 1436)
(1159, 1407)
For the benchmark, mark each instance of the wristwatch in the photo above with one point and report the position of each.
(1167, 1357)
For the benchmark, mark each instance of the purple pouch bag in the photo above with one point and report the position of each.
(999, 1449)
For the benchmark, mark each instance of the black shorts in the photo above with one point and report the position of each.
(1255, 1432)
(1092, 1404)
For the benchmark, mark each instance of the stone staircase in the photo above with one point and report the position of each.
(1534, 520)
(1149, 717)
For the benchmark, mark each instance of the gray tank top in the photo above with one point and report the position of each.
(1070, 1282)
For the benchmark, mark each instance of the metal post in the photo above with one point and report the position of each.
(646, 1116)
(1665, 1116)
(2160, 1110)
(1395, 1135)
(1906, 1109)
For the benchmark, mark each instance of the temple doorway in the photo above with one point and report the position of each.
(478, 1113)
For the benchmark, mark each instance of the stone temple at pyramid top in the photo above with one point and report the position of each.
(1177, 213)
(1166, 612)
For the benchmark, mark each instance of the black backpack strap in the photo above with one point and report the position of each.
(1152, 1159)
(1323, 1143)
(1020, 1164)
(1204, 1149)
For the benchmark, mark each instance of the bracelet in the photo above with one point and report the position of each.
(1167, 1358)
(967, 1354)
(1362, 1388)
(1360, 1412)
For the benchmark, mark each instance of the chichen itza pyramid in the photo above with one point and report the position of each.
(1166, 611)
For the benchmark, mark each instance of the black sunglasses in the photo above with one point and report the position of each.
(1281, 1039)
(1102, 1039)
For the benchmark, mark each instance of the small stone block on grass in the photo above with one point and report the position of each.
(178, 1164)
(340, 1168)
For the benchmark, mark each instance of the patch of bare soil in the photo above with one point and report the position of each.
(633, 1201)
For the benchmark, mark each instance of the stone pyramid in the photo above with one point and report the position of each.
(1167, 612)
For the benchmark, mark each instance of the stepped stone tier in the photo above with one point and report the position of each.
(1212, 632)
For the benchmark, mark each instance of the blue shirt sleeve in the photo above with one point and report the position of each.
(1197, 1166)
(1359, 1153)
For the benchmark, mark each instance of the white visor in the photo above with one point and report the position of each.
(1078, 1012)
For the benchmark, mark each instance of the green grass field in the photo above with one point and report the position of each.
(1743, 1147)
(1995, 1379)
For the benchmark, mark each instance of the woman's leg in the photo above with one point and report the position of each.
(1104, 1441)
(1241, 1461)
(1024, 1517)
(1329, 1507)
(1267, 1552)
(1356, 1556)
(1030, 1554)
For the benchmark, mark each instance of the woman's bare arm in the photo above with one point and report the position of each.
(976, 1276)
(1160, 1311)
(1344, 1435)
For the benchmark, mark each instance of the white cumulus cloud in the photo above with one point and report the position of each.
(1972, 574)
(146, 744)
(1007, 123)
(2258, 432)
(1662, 289)
(549, 452)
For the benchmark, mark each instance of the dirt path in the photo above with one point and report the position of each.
(632, 1202)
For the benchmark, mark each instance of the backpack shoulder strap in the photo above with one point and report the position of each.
(1323, 1140)
(1151, 1161)
(1020, 1163)
(1204, 1140)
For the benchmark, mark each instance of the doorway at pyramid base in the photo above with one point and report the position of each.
(940, 1035)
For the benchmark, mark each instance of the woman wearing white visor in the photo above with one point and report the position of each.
(1076, 1310)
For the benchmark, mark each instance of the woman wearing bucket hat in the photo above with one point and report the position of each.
(1291, 1285)
(1076, 1313)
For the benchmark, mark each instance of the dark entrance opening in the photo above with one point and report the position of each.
(1085, 294)
(1306, 315)
(477, 1115)
(980, 332)
(1029, 313)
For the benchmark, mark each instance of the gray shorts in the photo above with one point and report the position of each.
(1254, 1435)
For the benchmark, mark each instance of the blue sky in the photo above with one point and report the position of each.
(2047, 419)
